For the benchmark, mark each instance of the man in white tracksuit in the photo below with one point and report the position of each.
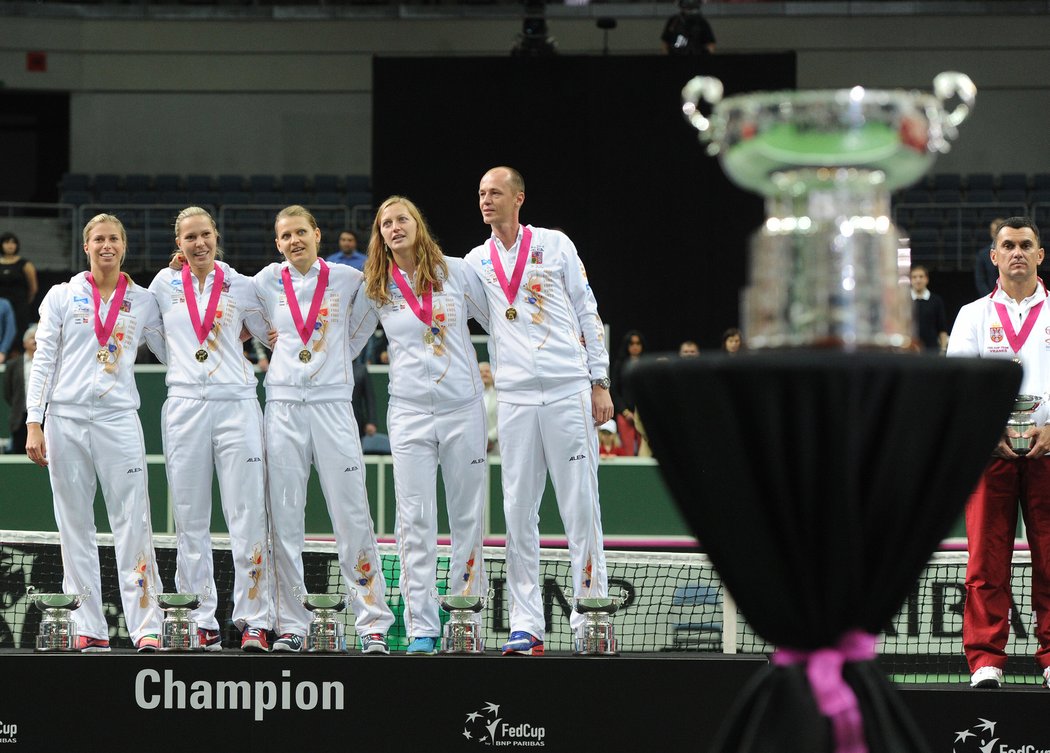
(212, 419)
(309, 418)
(551, 370)
(436, 413)
(90, 329)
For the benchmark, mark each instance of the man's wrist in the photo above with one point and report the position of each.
(603, 383)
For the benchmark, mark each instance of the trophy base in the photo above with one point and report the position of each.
(325, 635)
(596, 639)
(462, 636)
(56, 636)
(179, 634)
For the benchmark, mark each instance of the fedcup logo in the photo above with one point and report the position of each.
(489, 727)
(986, 737)
(8, 732)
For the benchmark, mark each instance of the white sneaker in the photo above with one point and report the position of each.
(987, 677)
(1046, 677)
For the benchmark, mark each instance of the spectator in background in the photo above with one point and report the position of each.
(732, 341)
(930, 317)
(18, 283)
(688, 349)
(687, 32)
(348, 252)
(631, 349)
(985, 273)
(491, 406)
(364, 402)
(609, 444)
(15, 379)
(8, 328)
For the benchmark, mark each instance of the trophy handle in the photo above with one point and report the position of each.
(702, 89)
(954, 84)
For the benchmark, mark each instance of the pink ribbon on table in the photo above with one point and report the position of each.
(835, 699)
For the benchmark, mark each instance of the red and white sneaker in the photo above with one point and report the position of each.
(88, 645)
(253, 639)
(147, 644)
(210, 640)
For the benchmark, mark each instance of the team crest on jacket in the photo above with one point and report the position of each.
(996, 333)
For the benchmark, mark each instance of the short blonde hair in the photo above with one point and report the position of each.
(188, 212)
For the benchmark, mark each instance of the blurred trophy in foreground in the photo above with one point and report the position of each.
(1021, 420)
(597, 638)
(826, 269)
(326, 629)
(462, 631)
(178, 631)
(58, 629)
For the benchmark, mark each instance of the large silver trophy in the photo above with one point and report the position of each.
(826, 269)
(178, 631)
(325, 634)
(463, 630)
(597, 637)
(58, 629)
(1021, 420)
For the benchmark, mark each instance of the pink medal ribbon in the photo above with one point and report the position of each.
(510, 288)
(201, 329)
(423, 308)
(835, 699)
(1017, 339)
(103, 331)
(305, 328)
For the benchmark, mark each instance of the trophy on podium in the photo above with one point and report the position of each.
(827, 269)
(462, 631)
(326, 628)
(597, 637)
(178, 631)
(58, 629)
(1021, 420)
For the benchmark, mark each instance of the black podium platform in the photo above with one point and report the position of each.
(442, 704)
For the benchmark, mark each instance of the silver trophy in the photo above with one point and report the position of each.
(1021, 420)
(462, 631)
(58, 629)
(178, 631)
(597, 637)
(826, 269)
(326, 628)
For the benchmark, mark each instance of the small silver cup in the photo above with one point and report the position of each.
(462, 632)
(178, 631)
(58, 629)
(597, 637)
(1021, 420)
(325, 634)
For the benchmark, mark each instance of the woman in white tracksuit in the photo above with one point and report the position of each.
(90, 329)
(436, 412)
(212, 419)
(309, 418)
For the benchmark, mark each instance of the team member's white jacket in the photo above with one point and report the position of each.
(329, 374)
(226, 374)
(978, 332)
(437, 377)
(556, 345)
(67, 378)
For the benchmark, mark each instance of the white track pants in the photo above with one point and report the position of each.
(227, 435)
(325, 434)
(559, 438)
(113, 449)
(418, 442)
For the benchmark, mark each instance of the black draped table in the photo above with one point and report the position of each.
(819, 483)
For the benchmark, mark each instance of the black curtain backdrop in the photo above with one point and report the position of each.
(607, 157)
(34, 144)
(819, 484)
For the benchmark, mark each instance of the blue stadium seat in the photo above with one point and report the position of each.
(230, 183)
(1013, 182)
(106, 182)
(74, 182)
(946, 181)
(75, 197)
(693, 614)
(359, 198)
(136, 182)
(358, 184)
(980, 182)
(268, 198)
(262, 183)
(328, 199)
(326, 184)
(234, 197)
(167, 182)
(198, 183)
(980, 196)
(293, 183)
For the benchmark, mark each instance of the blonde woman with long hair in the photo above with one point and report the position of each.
(436, 413)
(82, 378)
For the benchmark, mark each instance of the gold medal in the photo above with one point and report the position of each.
(512, 314)
(305, 355)
(428, 337)
(201, 355)
(103, 355)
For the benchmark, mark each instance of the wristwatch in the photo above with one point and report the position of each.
(603, 383)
